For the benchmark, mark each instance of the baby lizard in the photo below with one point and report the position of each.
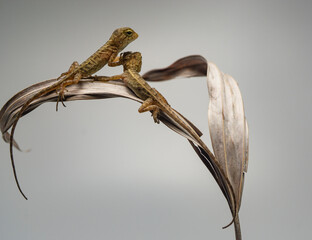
(153, 100)
(107, 54)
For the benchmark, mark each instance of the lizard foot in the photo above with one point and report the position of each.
(155, 114)
(61, 96)
(149, 105)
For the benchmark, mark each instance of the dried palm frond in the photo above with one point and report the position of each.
(227, 123)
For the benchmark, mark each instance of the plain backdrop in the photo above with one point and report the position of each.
(100, 170)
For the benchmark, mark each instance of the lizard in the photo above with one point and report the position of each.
(155, 102)
(107, 54)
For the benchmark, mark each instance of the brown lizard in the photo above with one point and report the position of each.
(107, 54)
(155, 102)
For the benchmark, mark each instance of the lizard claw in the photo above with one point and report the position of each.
(155, 116)
(156, 121)
(61, 96)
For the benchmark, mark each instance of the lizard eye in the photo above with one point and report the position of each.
(129, 32)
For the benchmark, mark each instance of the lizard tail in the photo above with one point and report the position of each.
(19, 115)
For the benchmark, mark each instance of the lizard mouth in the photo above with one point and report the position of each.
(135, 36)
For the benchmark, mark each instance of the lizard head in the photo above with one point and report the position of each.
(131, 60)
(121, 37)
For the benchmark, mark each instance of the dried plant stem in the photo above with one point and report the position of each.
(238, 234)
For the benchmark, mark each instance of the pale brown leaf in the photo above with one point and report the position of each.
(227, 124)
(194, 66)
(228, 127)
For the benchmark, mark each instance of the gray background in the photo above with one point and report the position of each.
(100, 170)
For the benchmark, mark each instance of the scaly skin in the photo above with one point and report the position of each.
(154, 102)
(107, 54)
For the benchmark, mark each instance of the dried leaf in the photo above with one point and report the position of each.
(190, 66)
(86, 89)
(193, 66)
(19, 104)
(227, 125)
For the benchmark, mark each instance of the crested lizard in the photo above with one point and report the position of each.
(107, 54)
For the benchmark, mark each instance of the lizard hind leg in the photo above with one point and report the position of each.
(68, 80)
(148, 105)
(63, 89)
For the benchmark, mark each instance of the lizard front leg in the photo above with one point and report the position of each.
(149, 105)
(114, 60)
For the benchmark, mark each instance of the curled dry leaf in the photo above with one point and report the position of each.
(227, 124)
(190, 66)
(228, 127)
